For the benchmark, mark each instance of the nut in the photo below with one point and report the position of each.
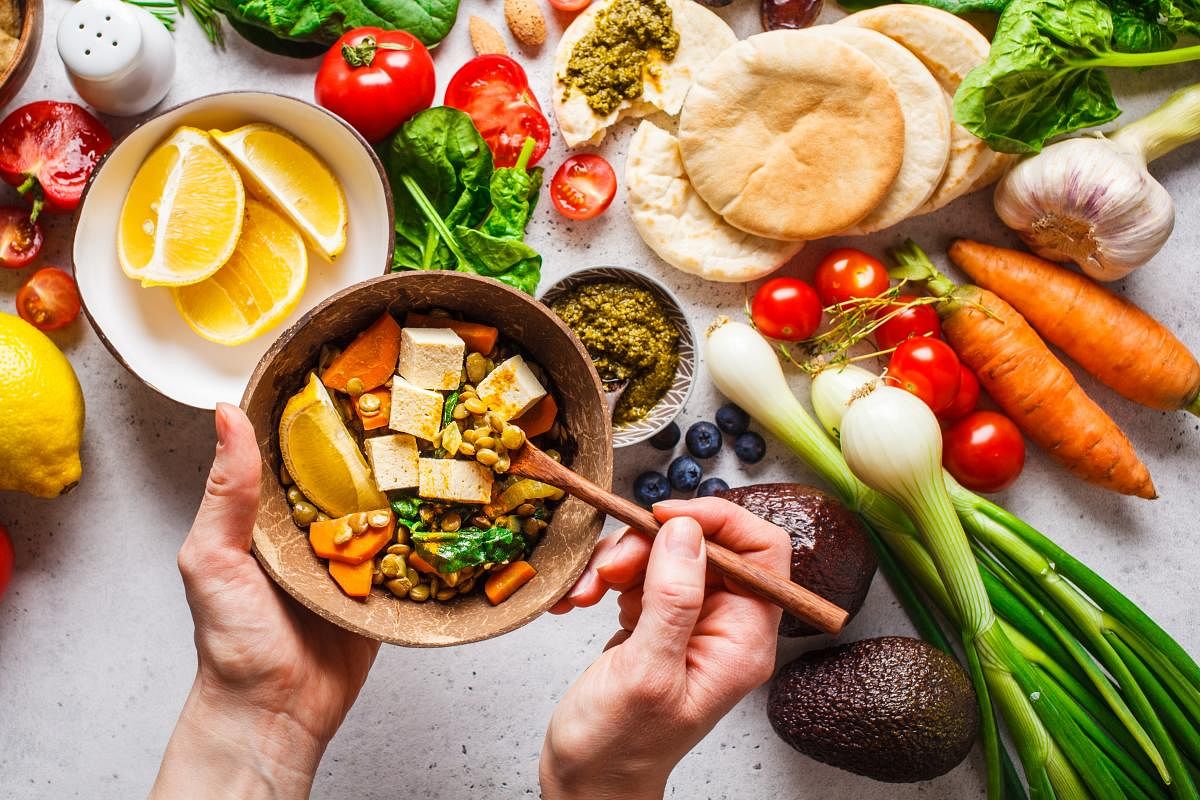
(526, 22)
(486, 39)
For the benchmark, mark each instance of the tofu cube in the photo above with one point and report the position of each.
(455, 480)
(415, 410)
(394, 461)
(510, 389)
(431, 358)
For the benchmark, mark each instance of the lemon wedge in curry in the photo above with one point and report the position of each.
(284, 171)
(183, 214)
(323, 457)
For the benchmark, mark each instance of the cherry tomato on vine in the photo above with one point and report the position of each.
(20, 237)
(928, 368)
(913, 321)
(570, 5)
(376, 80)
(6, 560)
(494, 90)
(787, 309)
(49, 299)
(583, 187)
(984, 451)
(967, 397)
(849, 274)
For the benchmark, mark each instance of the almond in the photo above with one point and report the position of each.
(526, 22)
(485, 38)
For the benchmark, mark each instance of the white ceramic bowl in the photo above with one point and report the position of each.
(141, 327)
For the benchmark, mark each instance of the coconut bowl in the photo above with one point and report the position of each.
(565, 546)
(14, 74)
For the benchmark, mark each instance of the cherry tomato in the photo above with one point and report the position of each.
(787, 309)
(6, 560)
(912, 321)
(967, 397)
(583, 186)
(849, 274)
(928, 368)
(49, 299)
(20, 237)
(48, 150)
(494, 90)
(376, 80)
(984, 451)
(570, 5)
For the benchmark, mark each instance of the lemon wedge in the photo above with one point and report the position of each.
(294, 179)
(257, 288)
(183, 214)
(322, 456)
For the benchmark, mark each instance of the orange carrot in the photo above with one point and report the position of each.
(479, 338)
(371, 357)
(502, 584)
(420, 564)
(1120, 344)
(355, 579)
(358, 549)
(1029, 383)
(380, 418)
(538, 419)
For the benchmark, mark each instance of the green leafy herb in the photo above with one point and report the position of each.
(1044, 77)
(448, 408)
(407, 510)
(469, 547)
(953, 6)
(323, 21)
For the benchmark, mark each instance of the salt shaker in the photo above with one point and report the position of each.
(119, 57)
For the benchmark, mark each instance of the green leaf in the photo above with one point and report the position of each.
(323, 21)
(407, 510)
(448, 408)
(450, 552)
(1137, 28)
(953, 6)
(509, 261)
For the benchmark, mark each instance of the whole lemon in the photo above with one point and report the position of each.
(41, 412)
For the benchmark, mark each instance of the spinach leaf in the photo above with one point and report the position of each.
(953, 6)
(407, 510)
(469, 547)
(1137, 27)
(448, 408)
(324, 21)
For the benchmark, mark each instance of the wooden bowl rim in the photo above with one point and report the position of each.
(32, 13)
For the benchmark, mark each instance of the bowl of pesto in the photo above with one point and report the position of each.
(638, 336)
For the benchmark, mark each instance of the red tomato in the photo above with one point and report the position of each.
(984, 451)
(912, 321)
(583, 186)
(570, 5)
(376, 80)
(967, 397)
(6, 560)
(48, 150)
(848, 274)
(49, 299)
(20, 237)
(787, 309)
(928, 368)
(494, 90)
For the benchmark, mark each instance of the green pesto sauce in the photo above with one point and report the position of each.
(607, 65)
(629, 336)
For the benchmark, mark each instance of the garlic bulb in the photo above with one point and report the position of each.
(1092, 201)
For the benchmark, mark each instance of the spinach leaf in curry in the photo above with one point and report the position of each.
(323, 21)
(469, 547)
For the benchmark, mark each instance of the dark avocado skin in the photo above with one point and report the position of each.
(894, 709)
(831, 554)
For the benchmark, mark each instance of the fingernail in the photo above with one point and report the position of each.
(222, 423)
(671, 504)
(683, 538)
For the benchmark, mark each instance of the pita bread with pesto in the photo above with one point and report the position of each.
(680, 227)
(926, 125)
(792, 135)
(702, 35)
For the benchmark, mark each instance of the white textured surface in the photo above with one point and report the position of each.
(95, 639)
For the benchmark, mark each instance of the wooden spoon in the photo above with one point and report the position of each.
(531, 462)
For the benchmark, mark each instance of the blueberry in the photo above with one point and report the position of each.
(667, 438)
(703, 440)
(732, 420)
(711, 487)
(650, 488)
(750, 447)
(685, 473)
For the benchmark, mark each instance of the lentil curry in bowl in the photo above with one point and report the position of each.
(386, 418)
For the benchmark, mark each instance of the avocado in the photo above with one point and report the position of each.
(894, 709)
(831, 554)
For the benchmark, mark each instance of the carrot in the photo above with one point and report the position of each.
(371, 357)
(1120, 344)
(420, 564)
(1025, 379)
(358, 549)
(479, 337)
(355, 579)
(538, 419)
(379, 418)
(502, 584)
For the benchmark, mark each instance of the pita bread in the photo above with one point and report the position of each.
(926, 125)
(675, 223)
(949, 47)
(702, 35)
(764, 128)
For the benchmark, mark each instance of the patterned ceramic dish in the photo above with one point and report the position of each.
(676, 397)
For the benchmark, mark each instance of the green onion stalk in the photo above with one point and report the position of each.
(1098, 700)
